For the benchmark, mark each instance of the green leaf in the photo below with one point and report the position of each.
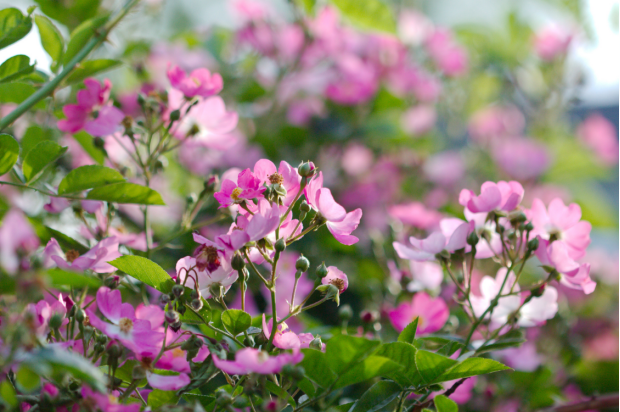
(13, 26)
(280, 393)
(145, 271)
(204, 400)
(51, 39)
(70, 13)
(236, 321)
(402, 354)
(45, 233)
(125, 373)
(9, 152)
(159, 398)
(38, 159)
(307, 387)
(381, 397)
(15, 67)
(408, 334)
(87, 142)
(469, 367)
(344, 350)
(371, 367)
(7, 393)
(445, 404)
(32, 137)
(316, 367)
(17, 92)
(373, 14)
(431, 365)
(27, 380)
(90, 68)
(88, 177)
(60, 277)
(81, 35)
(126, 193)
(509, 340)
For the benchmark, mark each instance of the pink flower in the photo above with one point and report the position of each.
(57, 205)
(432, 314)
(522, 158)
(337, 278)
(540, 309)
(552, 42)
(524, 358)
(426, 249)
(425, 275)
(494, 122)
(356, 159)
(339, 222)
(355, 81)
(95, 259)
(301, 111)
(247, 188)
(418, 120)
(250, 360)
(504, 196)
(200, 82)
(106, 402)
(601, 136)
(413, 27)
(489, 288)
(445, 168)
(416, 215)
(222, 274)
(448, 56)
(167, 382)
(284, 337)
(286, 175)
(462, 394)
(17, 240)
(573, 275)
(92, 99)
(563, 223)
(43, 311)
(135, 329)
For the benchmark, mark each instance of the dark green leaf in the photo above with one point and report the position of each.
(38, 159)
(402, 354)
(408, 334)
(13, 26)
(159, 398)
(9, 152)
(7, 284)
(81, 35)
(204, 400)
(51, 39)
(17, 92)
(307, 387)
(144, 270)
(431, 365)
(125, 373)
(88, 177)
(126, 193)
(509, 340)
(345, 350)
(87, 142)
(45, 233)
(373, 14)
(371, 367)
(236, 321)
(381, 397)
(445, 404)
(15, 67)
(280, 393)
(316, 367)
(470, 367)
(90, 68)
(61, 277)
(450, 348)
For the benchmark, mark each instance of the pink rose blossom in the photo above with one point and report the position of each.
(489, 288)
(248, 187)
(425, 276)
(167, 382)
(444, 168)
(95, 259)
(200, 82)
(447, 55)
(495, 122)
(286, 175)
(106, 402)
(521, 158)
(552, 42)
(436, 242)
(418, 120)
(222, 274)
(17, 240)
(432, 314)
(250, 360)
(600, 135)
(540, 309)
(573, 274)
(356, 159)
(503, 196)
(416, 215)
(337, 278)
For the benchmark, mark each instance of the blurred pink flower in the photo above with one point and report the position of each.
(601, 136)
(300, 111)
(416, 215)
(418, 120)
(413, 27)
(504, 196)
(521, 158)
(523, 358)
(573, 274)
(551, 42)
(250, 360)
(356, 159)
(17, 240)
(489, 288)
(603, 347)
(200, 82)
(425, 276)
(426, 249)
(494, 122)
(445, 168)
(447, 55)
(432, 314)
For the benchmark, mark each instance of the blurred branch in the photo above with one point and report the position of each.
(594, 403)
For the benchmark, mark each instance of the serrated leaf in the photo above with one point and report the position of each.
(88, 177)
(40, 158)
(402, 354)
(13, 26)
(17, 92)
(90, 68)
(159, 398)
(408, 334)
(431, 365)
(445, 404)
(81, 35)
(236, 321)
(87, 142)
(344, 350)
(9, 152)
(126, 193)
(32, 137)
(372, 14)
(145, 271)
(15, 67)
(470, 367)
(381, 397)
(51, 39)
(316, 367)
(371, 367)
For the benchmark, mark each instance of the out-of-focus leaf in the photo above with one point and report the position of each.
(126, 193)
(381, 397)
(45, 233)
(124, 372)
(159, 398)
(40, 158)
(17, 92)
(307, 387)
(27, 380)
(469, 367)
(87, 142)
(7, 393)
(280, 393)
(13, 26)
(371, 367)
(88, 177)
(204, 400)
(60, 277)
(316, 367)
(509, 340)
(9, 152)
(236, 321)
(81, 35)
(51, 39)
(144, 270)
(596, 205)
(7, 284)
(408, 334)
(431, 365)
(372, 15)
(69, 12)
(15, 68)
(90, 68)
(343, 351)
(445, 404)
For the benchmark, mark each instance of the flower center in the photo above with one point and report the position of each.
(262, 357)
(339, 283)
(235, 193)
(276, 178)
(208, 258)
(125, 324)
(554, 235)
(71, 255)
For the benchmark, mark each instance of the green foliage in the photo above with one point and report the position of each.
(40, 158)
(381, 397)
(69, 12)
(60, 277)
(17, 92)
(280, 393)
(9, 152)
(15, 67)
(33, 136)
(343, 351)
(88, 177)
(511, 339)
(373, 15)
(236, 321)
(470, 367)
(402, 354)
(369, 368)
(45, 233)
(7, 393)
(126, 193)
(432, 365)
(51, 40)
(13, 26)
(408, 334)
(445, 404)
(145, 270)
(90, 68)
(159, 398)
(87, 142)
(81, 35)
(27, 380)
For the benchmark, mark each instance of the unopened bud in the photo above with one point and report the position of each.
(175, 115)
(369, 316)
(102, 339)
(181, 309)
(345, 312)
(321, 271)
(138, 372)
(164, 298)
(80, 315)
(533, 244)
(238, 263)
(304, 207)
(538, 292)
(280, 245)
(516, 217)
(112, 282)
(99, 142)
(316, 343)
(212, 183)
(176, 326)
(172, 316)
(56, 321)
(472, 239)
(331, 292)
(196, 304)
(177, 290)
(249, 341)
(302, 264)
(529, 226)
(114, 350)
(217, 290)
(195, 294)
(306, 169)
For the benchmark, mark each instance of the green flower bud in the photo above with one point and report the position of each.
(331, 292)
(112, 281)
(102, 339)
(249, 341)
(172, 316)
(56, 321)
(177, 290)
(238, 263)
(529, 226)
(306, 169)
(516, 217)
(304, 207)
(80, 315)
(114, 350)
(472, 239)
(345, 312)
(176, 326)
(196, 304)
(181, 309)
(321, 271)
(316, 343)
(532, 245)
(280, 245)
(302, 264)
(538, 292)
(195, 294)
(175, 115)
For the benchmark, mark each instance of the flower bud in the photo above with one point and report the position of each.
(176, 326)
(321, 271)
(529, 226)
(304, 207)
(141, 99)
(306, 169)
(138, 372)
(99, 347)
(345, 312)
(516, 217)
(56, 321)
(280, 245)
(302, 264)
(331, 292)
(196, 304)
(316, 343)
(112, 281)
(538, 292)
(369, 316)
(238, 263)
(80, 315)
(114, 350)
(99, 142)
(175, 115)
(217, 291)
(181, 309)
(164, 298)
(249, 341)
(172, 316)
(533, 244)
(212, 183)
(472, 239)
(177, 290)
(195, 294)
(102, 339)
